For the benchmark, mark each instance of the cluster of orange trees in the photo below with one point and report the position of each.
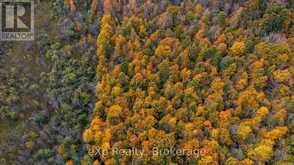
(197, 76)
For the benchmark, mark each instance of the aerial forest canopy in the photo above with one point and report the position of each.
(212, 76)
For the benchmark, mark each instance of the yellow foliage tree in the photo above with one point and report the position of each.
(261, 153)
(282, 75)
(114, 111)
(87, 135)
(238, 49)
(276, 133)
(262, 112)
(243, 132)
(207, 160)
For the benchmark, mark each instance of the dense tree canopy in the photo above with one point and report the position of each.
(199, 75)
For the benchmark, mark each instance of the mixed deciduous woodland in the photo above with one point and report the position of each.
(216, 76)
